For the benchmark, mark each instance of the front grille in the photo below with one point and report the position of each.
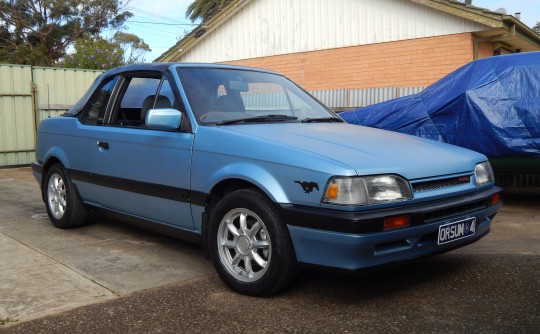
(439, 184)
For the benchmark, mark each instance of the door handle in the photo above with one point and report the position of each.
(103, 144)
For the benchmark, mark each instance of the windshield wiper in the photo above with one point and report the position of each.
(322, 120)
(259, 119)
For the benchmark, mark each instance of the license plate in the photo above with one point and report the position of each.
(456, 230)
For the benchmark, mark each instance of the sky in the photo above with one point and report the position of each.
(161, 23)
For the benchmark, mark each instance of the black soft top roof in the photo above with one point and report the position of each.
(151, 67)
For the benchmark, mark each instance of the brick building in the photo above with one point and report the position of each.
(354, 44)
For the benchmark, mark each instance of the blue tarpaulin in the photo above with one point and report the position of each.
(490, 105)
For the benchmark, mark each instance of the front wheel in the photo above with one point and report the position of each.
(64, 206)
(250, 246)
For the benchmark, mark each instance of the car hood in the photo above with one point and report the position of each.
(366, 150)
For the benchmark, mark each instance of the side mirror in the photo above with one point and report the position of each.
(163, 119)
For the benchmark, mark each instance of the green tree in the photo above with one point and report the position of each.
(204, 9)
(38, 32)
(537, 27)
(93, 53)
(133, 47)
(101, 54)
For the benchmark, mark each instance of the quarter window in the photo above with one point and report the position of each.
(94, 112)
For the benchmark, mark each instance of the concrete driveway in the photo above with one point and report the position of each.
(47, 270)
(108, 277)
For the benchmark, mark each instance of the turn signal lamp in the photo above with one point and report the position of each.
(332, 191)
(394, 222)
(495, 199)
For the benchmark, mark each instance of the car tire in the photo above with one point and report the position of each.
(250, 245)
(64, 205)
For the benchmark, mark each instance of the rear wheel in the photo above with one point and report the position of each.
(250, 246)
(64, 206)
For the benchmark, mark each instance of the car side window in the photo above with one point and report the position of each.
(94, 112)
(166, 99)
(137, 98)
(162, 100)
(141, 94)
(166, 91)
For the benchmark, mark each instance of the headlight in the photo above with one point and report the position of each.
(483, 174)
(366, 190)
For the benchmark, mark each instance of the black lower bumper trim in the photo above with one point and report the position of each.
(372, 221)
(37, 167)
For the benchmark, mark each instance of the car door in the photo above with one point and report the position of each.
(136, 170)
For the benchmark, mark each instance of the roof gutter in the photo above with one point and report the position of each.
(471, 13)
(521, 30)
(514, 29)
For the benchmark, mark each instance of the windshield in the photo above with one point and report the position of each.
(230, 96)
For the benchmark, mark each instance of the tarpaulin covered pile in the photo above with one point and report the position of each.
(491, 105)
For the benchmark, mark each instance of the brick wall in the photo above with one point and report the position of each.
(485, 49)
(407, 63)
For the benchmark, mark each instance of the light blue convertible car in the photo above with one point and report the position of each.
(262, 175)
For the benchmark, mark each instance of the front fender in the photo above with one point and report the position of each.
(251, 173)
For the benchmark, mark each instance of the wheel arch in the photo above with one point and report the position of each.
(280, 262)
(247, 174)
(52, 160)
(220, 190)
(53, 156)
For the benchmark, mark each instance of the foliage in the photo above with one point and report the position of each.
(537, 27)
(38, 32)
(133, 47)
(101, 54)
(204, 9)
(93, 53)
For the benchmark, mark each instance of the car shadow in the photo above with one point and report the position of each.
(351, 288)
(342, 287)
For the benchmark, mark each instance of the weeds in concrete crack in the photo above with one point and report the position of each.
(8, 320)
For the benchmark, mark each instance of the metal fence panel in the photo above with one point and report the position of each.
(16, 115)
(58, 88)
(357, 98)
(333, 98)
(29, 94)
(365, 97)
(404, 91)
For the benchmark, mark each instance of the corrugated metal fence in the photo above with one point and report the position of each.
(17, 119)
(29, 94)
(355, 98)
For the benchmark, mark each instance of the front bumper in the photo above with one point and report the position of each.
(356, 240)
